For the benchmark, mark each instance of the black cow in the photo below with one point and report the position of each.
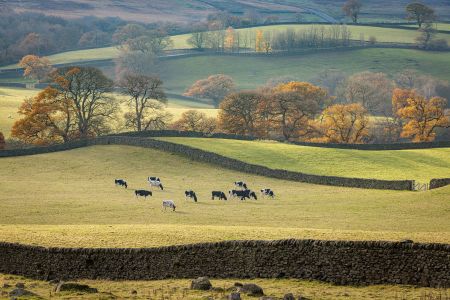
(143, 193)
(243, 194)
(190, 194)
(121, 182)
(240, 184)
(218, 194)
(267, 192)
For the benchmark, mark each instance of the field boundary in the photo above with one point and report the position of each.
(223, 161)
(337, 262)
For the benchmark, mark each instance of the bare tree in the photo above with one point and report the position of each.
(142, 91)
(352, 9)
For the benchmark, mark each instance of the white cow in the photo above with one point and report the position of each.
(169, 204)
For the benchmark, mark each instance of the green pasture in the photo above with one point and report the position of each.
(421, 165)
(249, 72)
(386, 35)
(179, 289)
(69, 199)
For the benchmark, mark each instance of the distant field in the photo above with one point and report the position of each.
(69, 199)
(387, 35)
(249, 72)
(421, 165)
(179, 289)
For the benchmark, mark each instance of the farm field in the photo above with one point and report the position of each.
(179, 289)
(249, 72)
(69, 199)
(421, 165)
(384, 35)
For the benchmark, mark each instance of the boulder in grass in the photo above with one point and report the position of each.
(21, 293)
(234, 296)
(289, 296)
(252, 290)
(74, 287)
(201, 283)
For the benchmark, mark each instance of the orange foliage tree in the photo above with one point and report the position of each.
(240, 113)
(194, 120)
(343, 124)
(215, 87)
(36, 67)
(259, 41)
(292, 105)
(47, 118)
(2, 141)
(421, 116)
(229, 39)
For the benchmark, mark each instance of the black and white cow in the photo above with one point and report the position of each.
(143, 193)
(268, 192)
(240, 184)
(155, 181)
(121, 182)
(190, 194)
(218, 194)
(243, 194)
(169, 204)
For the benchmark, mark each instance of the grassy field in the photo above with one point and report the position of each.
(421, 165)
(10, 99)
(69, 199)
(386, 35)
(249, 72)
(179, 289)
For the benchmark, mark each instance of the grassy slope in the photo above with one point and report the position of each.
(179, 289)
(421, 165)
(69, 199)
(249, 72)
(10, 99)
(388, 35)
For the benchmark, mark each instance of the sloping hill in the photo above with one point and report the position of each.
(191, 10)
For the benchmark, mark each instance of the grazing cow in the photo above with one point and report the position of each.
(121, 182)
(155, 181)
(240, 184)
(218, 194)
(243, 194)
(267, 192)
(143, 193)
(169, 204)
(190, 194)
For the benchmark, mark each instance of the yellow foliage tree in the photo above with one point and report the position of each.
(421, 116)
(194, 120)
(229, 39)
(259, 41)
(343, 124)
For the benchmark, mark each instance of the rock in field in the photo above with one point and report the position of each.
(234, 296)
(251, 289)
(201, 283)
(20, 293)
(74, 287)
(289, 296)
(20, 285)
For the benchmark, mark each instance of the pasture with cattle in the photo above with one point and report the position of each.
(225, 150)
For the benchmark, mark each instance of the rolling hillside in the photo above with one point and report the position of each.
(421, 165)
(69, 199)
(191, 10)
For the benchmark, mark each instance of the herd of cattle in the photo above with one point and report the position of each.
(242, 193)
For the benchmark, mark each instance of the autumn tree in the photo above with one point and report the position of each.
(128, 32)
(421, 116)
(88, 90)
(215, 87)
(292, 105)
(47, 118)
(259, 41)
(239, 113)
(352, 9)
(372, 90)
(194, 120)
(420, 13)
(32, 44)
(36, 67)
(230, 39)
(343, 124)
(2, 141)
(142, 92)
